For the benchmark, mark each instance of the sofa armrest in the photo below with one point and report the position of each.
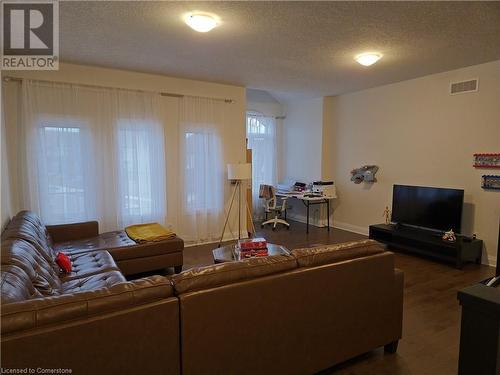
(74, 231)
(33, 313)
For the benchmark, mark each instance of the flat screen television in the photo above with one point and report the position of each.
(428, 207)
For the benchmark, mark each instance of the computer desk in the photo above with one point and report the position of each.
(310, 201)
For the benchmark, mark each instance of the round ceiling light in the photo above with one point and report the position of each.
(201, 22)
(368, 58)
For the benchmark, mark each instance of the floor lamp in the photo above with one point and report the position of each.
(237, 173)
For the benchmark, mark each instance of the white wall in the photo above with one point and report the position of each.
(419, 135)
(303, 127)
(234, 151)
(303, 152)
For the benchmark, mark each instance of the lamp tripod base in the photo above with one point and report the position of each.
(237, 187)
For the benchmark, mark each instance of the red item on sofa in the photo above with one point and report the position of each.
(63, 262)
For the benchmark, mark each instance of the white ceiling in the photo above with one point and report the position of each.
(291, 49)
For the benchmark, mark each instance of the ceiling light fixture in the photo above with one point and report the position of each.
(201, 22)
(368, 58)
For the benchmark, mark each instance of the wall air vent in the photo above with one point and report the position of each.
(464, 87)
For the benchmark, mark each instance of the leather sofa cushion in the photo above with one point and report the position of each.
(121, 246)
(41, 272)
(315, 256)
(97, 281)
(227, 273)
(55, 310)
(104, 241)
(149, 249)
(87, 264)
(16, 285)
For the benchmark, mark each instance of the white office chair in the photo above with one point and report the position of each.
(279, 211)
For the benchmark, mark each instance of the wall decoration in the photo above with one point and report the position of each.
(486, 160)
(490, 182)
(365, 173)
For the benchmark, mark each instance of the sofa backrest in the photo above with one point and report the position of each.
(327, 314)
(199, 278)
(28, 226)
(316, 256)
(24, 256)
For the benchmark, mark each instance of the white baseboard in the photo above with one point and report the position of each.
(351, 228)
(489, 261)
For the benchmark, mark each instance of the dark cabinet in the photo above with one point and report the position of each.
(428, 243)
(480, 331)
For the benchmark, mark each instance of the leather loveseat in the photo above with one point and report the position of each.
(287, 314)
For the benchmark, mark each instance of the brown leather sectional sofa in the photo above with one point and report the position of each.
(294, 314)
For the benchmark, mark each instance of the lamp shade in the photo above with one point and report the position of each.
(241, 171)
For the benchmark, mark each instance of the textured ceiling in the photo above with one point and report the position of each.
(291, 49)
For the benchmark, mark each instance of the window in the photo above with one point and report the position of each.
(92, 154)
(62, 171)
(261, 134)
(256, 127)
(141, 172)
(202, 170)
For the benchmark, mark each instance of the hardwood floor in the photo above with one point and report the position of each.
(431, 322)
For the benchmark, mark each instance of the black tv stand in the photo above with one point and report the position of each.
(427, 242)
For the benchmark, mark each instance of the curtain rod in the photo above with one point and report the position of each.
(169, 94)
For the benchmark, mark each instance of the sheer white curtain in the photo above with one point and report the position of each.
(261, 134)
(65, 179)
(201, 180)
(6, 196)
(141, 159)
(92, 154)
(59, 171)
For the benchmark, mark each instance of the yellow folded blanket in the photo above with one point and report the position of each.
(141, 233)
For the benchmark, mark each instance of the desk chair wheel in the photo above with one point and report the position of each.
(261, 226)
(274, 229)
